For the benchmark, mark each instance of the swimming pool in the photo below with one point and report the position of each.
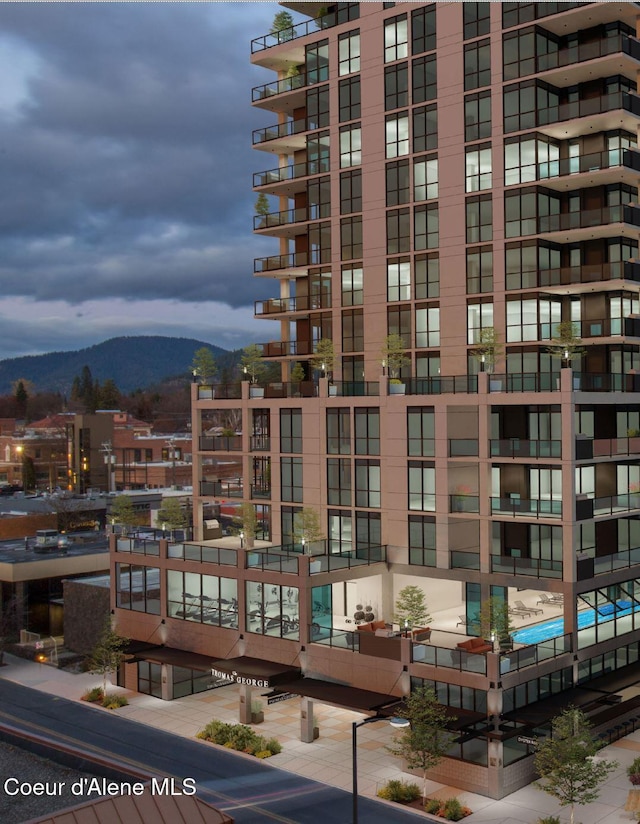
(586, 618)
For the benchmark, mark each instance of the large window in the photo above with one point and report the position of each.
(479, 317)
(352, 330)
(352, 283)
(421, 441)
(350, 146)
(398, 231)
(338, 432)
(350, 192)
(368, 484)
(423, 29)
(427, 326)
(477, 116)
(476, 19)
(317, 62)
(138, 588)
(349, 99)
(478, 168)
(396, 86)
(340, 531)
(290, 430)
(425, 177)
(426, 227)
(427, 276)
(350, 238)
(395, 38)
(399, 323)
(317, 107)
(423, 79)
(397, 134)
(349, 52)
(367, 431)
(273, 610)
(422, 540)
(477, 64)
(479, 219)
(398, 279)
(425, 128)
(397, 182)
(479, 270)
(291, 479)
(204, 599)
(422, 486)
(339, 481)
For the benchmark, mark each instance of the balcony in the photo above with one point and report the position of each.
(464, 503)
(219, 392)
(618, 560)
(221, 444)
(535, 567)
(615, 504)
(281, 133)
(520, 448)
(261, 492)
(297, 389)
(463, 447)
(525, 382)
(599, 219)
(598, 109)
(607, 447)
(348, 12)
(290, 265)
(294, 83)
(515, 505)
(280, 306)
(363, 556)
(220, 489)
(595, 382)
(587, 273)
(613, 159)
(286, 348)
(260, 443)
(464, 560)
(289, 218)
(298, 172)
(354, 389)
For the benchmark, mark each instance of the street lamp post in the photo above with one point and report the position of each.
(396, 723)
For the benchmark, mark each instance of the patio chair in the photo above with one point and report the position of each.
(519, 611)
(531, 610)
(462, 622)
(544, 599)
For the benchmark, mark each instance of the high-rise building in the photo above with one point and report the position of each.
(452, 192)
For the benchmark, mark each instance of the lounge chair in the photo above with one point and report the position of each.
(519, 611)
(463, 621)
(532, 610)
(553, 602)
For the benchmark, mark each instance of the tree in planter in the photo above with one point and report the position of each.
(246, 522)
(282, 26)
(171, 514)
(262, 206)
(324, 357)
(566, 344)
(297, 373)
(252, 363)
(394, 355)
(566, 764)
(122, 511)
(495, 619)
(108, 653)
(424, 743)
(489, 349)
(204, 365)
(411, 607)
(306, 526)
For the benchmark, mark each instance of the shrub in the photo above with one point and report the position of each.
(274, 745)
(263, 754)
(239, 737)
(453, 810)
(633, 771)
(550, 819)
(95, 695)
(432, 806)
(114, 701)
(399, 791)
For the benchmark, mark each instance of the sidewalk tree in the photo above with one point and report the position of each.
(411, 607)
(566, 762)
(107, 654)
(394, 355)
(204, 365)
(171, 514)
(425, 742)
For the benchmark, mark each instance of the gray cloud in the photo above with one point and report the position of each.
(127, 167)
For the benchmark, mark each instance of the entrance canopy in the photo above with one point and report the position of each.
(340, 695)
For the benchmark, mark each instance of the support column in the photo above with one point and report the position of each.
(244, 704)
(306, 720)
(167, 682)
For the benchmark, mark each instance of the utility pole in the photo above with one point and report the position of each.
(109, 460)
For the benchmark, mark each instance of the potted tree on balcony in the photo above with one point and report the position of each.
(253, 368)
(282, 26)
(411, 611)
(495, 622)
(394, 356)
(566, 346)
(488, 352)
(306, 529)
(324, 359)
(262, 209)
(204, 365)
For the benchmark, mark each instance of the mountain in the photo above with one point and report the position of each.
(132, 362)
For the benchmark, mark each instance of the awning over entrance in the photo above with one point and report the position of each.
(254, 672)
(175, 657)
(340, 695)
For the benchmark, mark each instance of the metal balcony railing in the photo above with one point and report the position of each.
(522, 448)
(291, 172)
(347, 12)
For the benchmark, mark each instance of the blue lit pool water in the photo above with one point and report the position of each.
(586, 618)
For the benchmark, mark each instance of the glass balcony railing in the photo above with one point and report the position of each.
(291, 261)
(535, 567)
(441, 385)
(449, 658)
(221, 444)
(463, 447)
(208, 392)
(583, 108)
(588, 219)
(342, 639)
(464, 503)
(280, 130)
(587, 273)
(521, 448)
(204, 554)
(588, 163)
(291, 172)
(303, 303)
(464, 560)
(539, 508)
(290, 216)
(220, 489)
(534, 654)
(271, 561)
(354, 389)
(360, 557)
(289, 84)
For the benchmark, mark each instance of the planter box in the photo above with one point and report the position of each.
(256, 391)
(397, 388)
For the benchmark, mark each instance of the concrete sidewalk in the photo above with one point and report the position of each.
(329, 758)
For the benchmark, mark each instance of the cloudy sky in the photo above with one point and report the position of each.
(125, 173)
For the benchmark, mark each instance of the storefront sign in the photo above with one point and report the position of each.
(238, 678)
(523, 739)
(284, 696)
